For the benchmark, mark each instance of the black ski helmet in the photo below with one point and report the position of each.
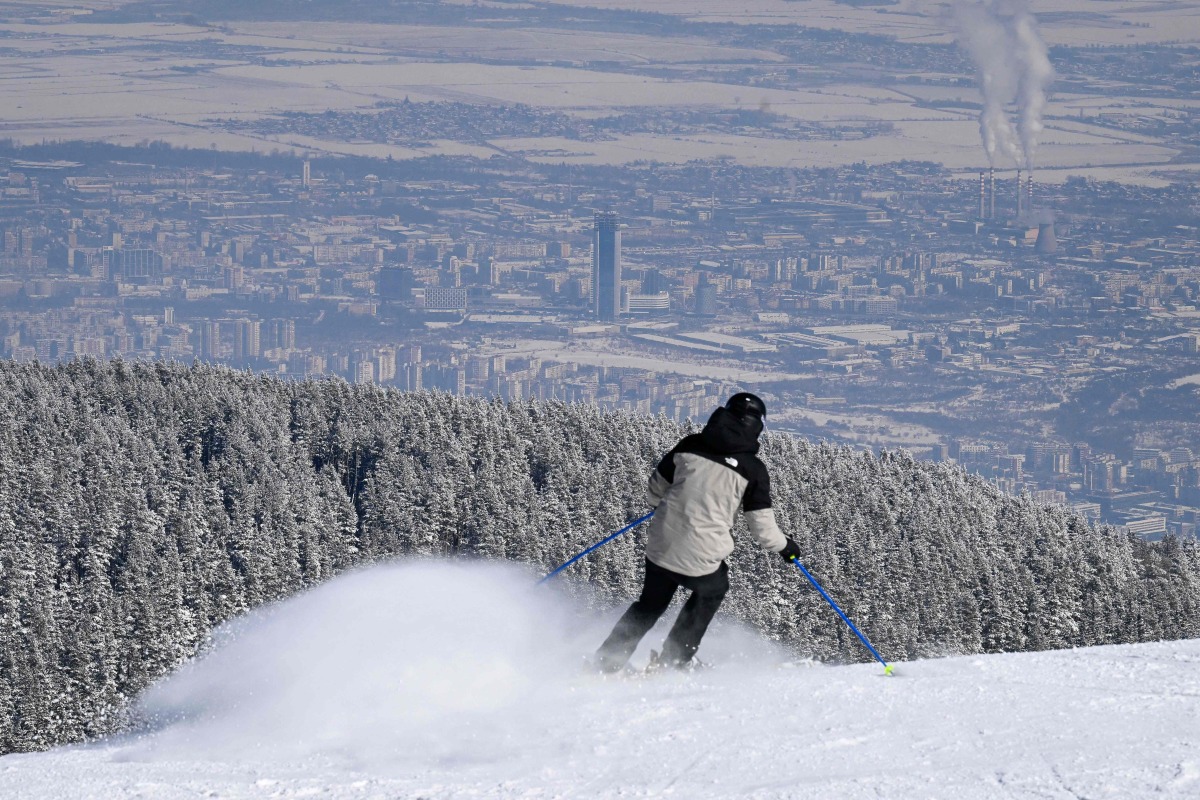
(744, 404)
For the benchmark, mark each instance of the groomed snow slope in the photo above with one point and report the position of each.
(445, 681)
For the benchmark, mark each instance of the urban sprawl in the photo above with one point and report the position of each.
(1044, 336)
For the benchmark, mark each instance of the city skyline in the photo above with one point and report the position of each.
(810, 212)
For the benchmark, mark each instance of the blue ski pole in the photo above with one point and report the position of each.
(596, 546)
(887, 668)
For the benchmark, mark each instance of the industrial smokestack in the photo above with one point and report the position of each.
(1029, 193)
(1019, 193)
(982, 197)
(992, 203)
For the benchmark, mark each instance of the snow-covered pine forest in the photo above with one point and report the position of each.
(142, 505)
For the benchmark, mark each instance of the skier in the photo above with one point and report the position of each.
(696, 491)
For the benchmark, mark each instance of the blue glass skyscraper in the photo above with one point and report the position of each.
(606, 266)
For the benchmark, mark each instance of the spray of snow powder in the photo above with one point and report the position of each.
(1002, 38)
(415, 663)
(446, 681)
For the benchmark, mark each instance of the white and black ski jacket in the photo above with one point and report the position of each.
(696, 491)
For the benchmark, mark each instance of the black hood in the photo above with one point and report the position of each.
(726, 433)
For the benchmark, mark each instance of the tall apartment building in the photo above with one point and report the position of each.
(140, 263)
(233, 277)
(364, 370)
(606, 266)
(210, 340)
(247, 339)
(706, 297)
(280, 333)
(385, 364)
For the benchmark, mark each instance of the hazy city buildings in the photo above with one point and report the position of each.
(872, 306)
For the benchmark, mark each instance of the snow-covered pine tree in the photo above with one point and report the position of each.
(142, 505)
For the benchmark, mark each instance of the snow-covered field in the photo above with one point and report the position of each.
(1073, 22)
(443, 681)
(67, 78)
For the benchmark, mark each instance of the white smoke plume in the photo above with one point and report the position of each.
(1002, 39)
(1036, 75)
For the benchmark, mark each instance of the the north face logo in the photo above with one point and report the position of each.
(731, 461)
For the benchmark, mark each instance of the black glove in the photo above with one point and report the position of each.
(790, 551)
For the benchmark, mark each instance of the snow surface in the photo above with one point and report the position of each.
(435, 680)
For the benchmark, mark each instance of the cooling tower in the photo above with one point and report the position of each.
(1046, 243)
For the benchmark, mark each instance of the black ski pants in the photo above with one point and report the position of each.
(659, 587)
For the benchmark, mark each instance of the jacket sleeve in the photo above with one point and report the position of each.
(766, 530)
(760, 516)
(661, 479)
